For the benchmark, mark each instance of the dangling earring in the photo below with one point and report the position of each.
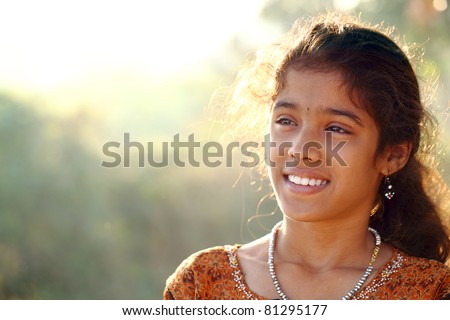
(389, 192)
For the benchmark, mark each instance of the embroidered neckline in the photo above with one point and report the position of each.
(238, 278)
(382, 276)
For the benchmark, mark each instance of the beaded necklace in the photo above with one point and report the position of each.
(351, 293)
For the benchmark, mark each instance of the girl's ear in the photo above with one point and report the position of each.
(395, 158)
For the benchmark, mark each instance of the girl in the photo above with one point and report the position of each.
(362, 217)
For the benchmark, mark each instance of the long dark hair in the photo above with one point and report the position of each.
(380, 78)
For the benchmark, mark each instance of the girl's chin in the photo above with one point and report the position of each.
(301, 211)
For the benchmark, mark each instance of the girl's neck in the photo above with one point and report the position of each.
(322, 246)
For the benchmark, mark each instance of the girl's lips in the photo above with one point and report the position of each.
(303, 185)
(304, 181)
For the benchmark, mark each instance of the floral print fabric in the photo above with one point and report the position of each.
(214, 274)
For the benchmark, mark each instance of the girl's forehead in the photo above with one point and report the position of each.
(293, 73)
(313, 85)
(304, 77)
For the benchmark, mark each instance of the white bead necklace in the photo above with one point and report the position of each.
(351, 293)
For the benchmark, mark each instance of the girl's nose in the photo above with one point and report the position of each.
(306, 149)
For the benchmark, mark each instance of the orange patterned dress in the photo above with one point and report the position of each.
(214, 274)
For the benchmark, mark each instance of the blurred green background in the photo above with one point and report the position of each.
(77, 74)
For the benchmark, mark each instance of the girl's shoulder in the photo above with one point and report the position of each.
(428, 273)
(199, 258)
(201, 274)
(409, 277)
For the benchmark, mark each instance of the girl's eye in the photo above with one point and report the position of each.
(284, 122)
(336, 129)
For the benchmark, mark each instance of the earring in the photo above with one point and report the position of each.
(374, 209)
(389, 192)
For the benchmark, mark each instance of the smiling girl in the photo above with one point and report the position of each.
(368, 224)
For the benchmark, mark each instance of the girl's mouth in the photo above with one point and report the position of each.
(306, 181)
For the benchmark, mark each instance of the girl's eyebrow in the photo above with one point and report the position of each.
(284, 104)
(345, 113)
(330, 110)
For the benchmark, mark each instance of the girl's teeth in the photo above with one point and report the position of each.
(306, 181)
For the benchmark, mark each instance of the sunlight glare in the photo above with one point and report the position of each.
(48, 42)
(440, 5)
(345, 5)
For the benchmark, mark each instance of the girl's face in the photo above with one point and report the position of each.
(334, 174)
